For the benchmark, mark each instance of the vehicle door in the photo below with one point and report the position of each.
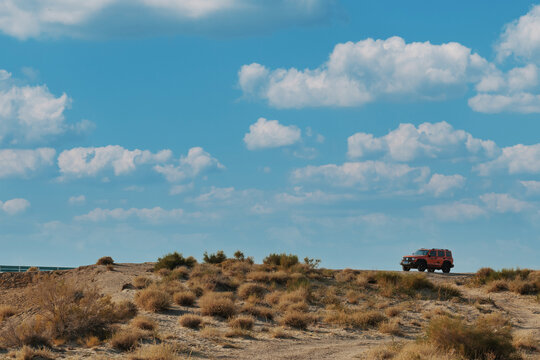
(440, 257)
(432, 258)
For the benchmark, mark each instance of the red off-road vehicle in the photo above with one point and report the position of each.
(430, 259)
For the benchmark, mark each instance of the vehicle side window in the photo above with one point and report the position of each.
(433, 253)
(448, 253)
(440, 253)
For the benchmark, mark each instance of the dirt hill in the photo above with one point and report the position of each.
(237, 310)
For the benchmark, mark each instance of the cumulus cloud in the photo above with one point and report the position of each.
(362, 72)
(29, 113)
(517, 159)
(14, 206)
(532, 186)
(428, 140)
(35, 18)
(442, 184)
(196, 162)
(313, 197)
(521, 38)
(364, 175)
(456, 211)
(23, 163)
(77, 200)
(153, 215)
(503, 203)
(270, 134)
(92, 161)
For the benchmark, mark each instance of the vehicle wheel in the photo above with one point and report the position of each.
(422, 266)
(431, 270)
(446, 268)
(406, 268)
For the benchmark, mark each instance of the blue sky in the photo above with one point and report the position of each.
(350, 131)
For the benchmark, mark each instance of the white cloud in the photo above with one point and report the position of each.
(153, 215)
(495, 103)
(456, 211)
(364, 175)
(22, 163)
(91, 161)
(216, 193)
(515, 159)
(14, 206)
(30, 113)
(503, 203)
(196, 162)
(441, 184)
(521, 38)
(35, 18)
(77, 200)
(357, 73)
(179, 189)
(302, 197)
(428, 140)
(533, 187)
(270, 134)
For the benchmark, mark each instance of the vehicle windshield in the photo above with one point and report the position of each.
(421, 252)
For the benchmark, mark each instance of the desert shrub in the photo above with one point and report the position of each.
(32, 269)
(163, 272)
(524, 287)
(278, 277)
(273, 297)
(30, 353)
(297, 299)
(393, 311)
(179, 273)
(446, 292)
(298, 281)
(153, 299)
(184, 298)
(281, 260)
(71, 311)
(486, 275)
(345, 275)
(161, 351)
(190, 321)
(31, 332)
(238, 255)
(242, 322)
(127, 339)
(261, 312)
(249, 289)
(312, 263)
(173, 260)
(215, 304)
(210, 277)
(144, 323)
(125, 310)
(141, 282)
(7, 311)
(216, 258)
(356, 319)
(390, 327)
(105, 260)
(498, 286)
(297, 319)
(279, 333)
(486, 339)
(526, 341)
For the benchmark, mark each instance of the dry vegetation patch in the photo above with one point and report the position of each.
(153, 299)
(184, 298)
(216, 304)
(144, 323)
(190, 321)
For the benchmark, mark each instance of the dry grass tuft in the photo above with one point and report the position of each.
(525, 340)
(498, 286)
(153, 299)
(393, 310)
(489, 338)
(249, 289)
(7, 311)
(144, 323)
(184, 298)
(141, 282)
(31, 332)
(280, 333)
(261, 312)
(29, 353)
(105, 260)
(242, 322)
(297, 319)
(190, 321)
(391, 327)
(216, 304)
(161, 351)
(278, 277)
(127, 339)
(92, 342)
(356, 319)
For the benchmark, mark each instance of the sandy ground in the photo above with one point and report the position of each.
(319, 342)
